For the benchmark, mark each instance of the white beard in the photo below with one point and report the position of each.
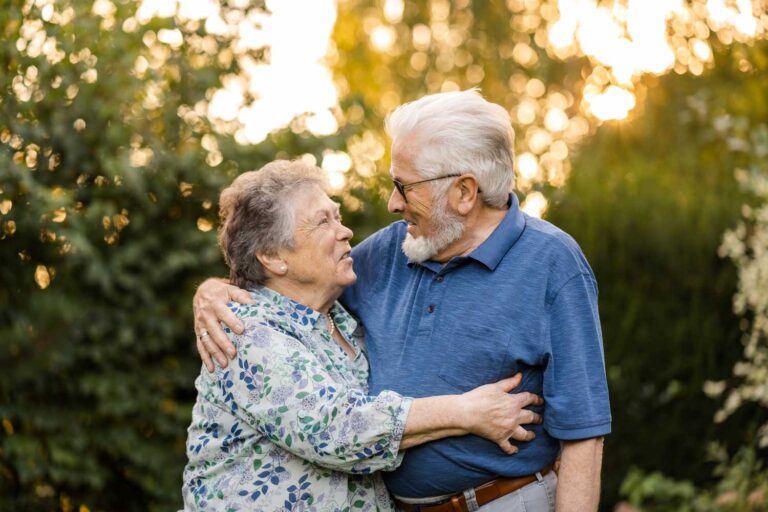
(448, 228)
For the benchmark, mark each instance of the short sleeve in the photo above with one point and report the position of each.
(575, 385)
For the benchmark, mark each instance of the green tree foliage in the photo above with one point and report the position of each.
(747, 246)
(108, 182)
(741, 486)
(684, 183)
(649, 202)
(737, 122)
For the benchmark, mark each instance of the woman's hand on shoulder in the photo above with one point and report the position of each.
(210, 310)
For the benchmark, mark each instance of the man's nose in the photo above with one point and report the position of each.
(396, 203)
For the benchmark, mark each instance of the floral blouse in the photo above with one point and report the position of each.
(288, 424)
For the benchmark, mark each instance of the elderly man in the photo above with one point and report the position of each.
(465, 290)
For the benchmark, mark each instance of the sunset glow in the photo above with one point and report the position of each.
(631, 38)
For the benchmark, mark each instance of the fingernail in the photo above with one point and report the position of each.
(231, 354)
(239, 328)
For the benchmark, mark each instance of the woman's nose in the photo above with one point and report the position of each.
(344, 233)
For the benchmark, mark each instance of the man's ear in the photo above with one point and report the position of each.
(274, 263)
(468, 189)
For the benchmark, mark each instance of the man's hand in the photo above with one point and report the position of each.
(210, 307)
(495, 414)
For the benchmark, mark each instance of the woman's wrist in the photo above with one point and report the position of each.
(466, 413)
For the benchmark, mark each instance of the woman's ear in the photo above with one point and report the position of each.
(274, 263)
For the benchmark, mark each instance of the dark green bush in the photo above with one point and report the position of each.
(649, 202)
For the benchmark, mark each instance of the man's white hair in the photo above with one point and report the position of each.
(458, 133)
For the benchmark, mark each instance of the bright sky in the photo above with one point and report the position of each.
(294, 82)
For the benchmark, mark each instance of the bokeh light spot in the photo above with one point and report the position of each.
(42, 277)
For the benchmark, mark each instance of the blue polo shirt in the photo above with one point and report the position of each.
(524, 300)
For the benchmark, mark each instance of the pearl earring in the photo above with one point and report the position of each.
(283, 268)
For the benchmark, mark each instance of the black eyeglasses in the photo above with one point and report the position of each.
(402, 187)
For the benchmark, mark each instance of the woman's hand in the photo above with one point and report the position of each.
(490, 411)
(210, 308)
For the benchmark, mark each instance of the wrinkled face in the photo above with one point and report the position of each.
(431, 225)
(321, 253)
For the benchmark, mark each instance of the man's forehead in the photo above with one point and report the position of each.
(401, 163)
(403, 150)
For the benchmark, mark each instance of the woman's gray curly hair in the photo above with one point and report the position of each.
(257, 216)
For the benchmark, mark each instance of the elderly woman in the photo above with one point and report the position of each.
(289, 425)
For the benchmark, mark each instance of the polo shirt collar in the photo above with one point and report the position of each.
(506, 234)
(492, 250)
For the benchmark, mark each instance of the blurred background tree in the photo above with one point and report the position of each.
(640, 130)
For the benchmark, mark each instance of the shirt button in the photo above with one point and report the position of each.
(439, 279)
(430, 308)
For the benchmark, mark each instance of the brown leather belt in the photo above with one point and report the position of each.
(483, 494)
